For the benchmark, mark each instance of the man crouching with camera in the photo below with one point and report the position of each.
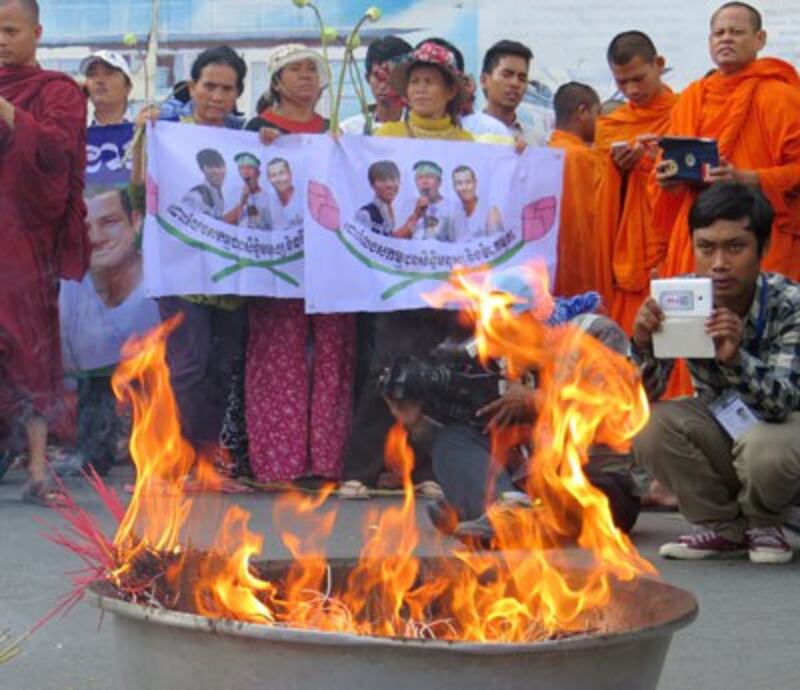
(452, 404)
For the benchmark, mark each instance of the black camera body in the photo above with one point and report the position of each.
(451, 384)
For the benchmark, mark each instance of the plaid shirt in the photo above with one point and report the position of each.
(767, 373)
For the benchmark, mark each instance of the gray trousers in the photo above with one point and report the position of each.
(720, 484)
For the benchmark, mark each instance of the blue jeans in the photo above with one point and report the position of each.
(471, 479)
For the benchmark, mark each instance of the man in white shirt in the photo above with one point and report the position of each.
(504, 81)
(472, 219)
(288, 211)
(436, 221)
(253, 208)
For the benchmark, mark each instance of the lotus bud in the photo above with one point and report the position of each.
(329, 34)
(374, 13)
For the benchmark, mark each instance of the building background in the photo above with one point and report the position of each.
(568, 37)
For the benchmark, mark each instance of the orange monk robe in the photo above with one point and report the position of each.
(755, 116)
(578, 258)
(625, 206)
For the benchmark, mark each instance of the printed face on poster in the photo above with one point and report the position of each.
(390, 219)
(225, 213)
(99, 313)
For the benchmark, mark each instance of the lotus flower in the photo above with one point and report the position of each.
(538, 218)
(323, 206)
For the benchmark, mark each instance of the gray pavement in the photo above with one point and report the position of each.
(744, 639)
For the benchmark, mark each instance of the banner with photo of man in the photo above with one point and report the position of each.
(225, 213)
(389, 219)
(109, 305)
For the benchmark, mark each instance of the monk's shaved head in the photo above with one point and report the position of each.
(569, 99)
(628, 45)
(30, 7)
(755, 16)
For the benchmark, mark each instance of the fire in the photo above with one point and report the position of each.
(521, 592)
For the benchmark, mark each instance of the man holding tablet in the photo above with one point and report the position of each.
(731, 454)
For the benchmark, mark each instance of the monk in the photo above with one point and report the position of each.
(577, 107)
(751, 106)
(44, 235)
(626, 137)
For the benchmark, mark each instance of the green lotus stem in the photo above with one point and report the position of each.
(348, 55)
(324, 40)
(361, 93)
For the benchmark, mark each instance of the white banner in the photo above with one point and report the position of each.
(225, 213)
(389, 219)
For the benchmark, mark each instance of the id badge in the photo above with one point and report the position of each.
(733, 415)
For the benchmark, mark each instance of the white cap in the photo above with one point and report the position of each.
(294, 52)
(110, 58)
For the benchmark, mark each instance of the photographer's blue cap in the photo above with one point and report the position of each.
(516, 283)
(513, 283)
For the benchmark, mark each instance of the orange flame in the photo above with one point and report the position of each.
(158, 508)
(524, 591)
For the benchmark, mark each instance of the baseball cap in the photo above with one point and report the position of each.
(110, 58)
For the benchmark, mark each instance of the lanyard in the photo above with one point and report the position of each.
(761, 324)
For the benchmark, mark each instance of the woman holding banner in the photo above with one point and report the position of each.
(299, 369)
(205, 351)
(435, 91)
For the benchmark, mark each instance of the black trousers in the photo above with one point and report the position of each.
(415, 332)
(99, 426)
(201, 353)
(471, 479)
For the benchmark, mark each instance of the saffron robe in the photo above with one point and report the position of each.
(580, 266)
(625, 206)
(43, 231)
(755, 116)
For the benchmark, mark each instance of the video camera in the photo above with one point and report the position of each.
(452, 384)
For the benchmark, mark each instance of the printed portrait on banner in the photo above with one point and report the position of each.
(100, 313)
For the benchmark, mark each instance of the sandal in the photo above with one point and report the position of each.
(353, 489)
(44, 494)
(429, 489)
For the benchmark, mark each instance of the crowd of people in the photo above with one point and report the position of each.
(271, 392)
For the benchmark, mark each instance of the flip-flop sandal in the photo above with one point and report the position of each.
(429, 489)
(353, 490)
(43, 493)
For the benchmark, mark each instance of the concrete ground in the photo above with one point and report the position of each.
(744, 639)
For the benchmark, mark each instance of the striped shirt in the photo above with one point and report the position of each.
(766, 374)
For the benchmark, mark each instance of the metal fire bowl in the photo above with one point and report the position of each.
(165, 650)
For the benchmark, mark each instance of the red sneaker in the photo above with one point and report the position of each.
(768, 545)
(700, 544)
